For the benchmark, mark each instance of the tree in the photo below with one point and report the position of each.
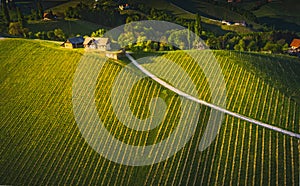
(51, 35)
(189, 35)
(21, 19)
(274, 48)
(12, 4)
(5, 12)
(252, 46)
(126, 39)
(40, 9)
(30, 35)
(240, 46)
(16, 29)
(180, 39)
(98, 33)
(198, 26)
(59, 34)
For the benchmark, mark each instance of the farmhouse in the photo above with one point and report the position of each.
(103, 46)
(97, 43)
(124, 7)
(75, 42)
(49, 16)
(295, 47)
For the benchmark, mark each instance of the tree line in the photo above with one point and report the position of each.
(13, 21)
(107, 14)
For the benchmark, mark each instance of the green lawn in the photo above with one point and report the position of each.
(40, 142)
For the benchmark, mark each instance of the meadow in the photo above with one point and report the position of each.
(69, 26)
(41, 143)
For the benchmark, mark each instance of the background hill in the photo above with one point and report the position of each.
(277, 13)
(41, 143)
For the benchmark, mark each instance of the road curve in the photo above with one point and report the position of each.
(187, 96)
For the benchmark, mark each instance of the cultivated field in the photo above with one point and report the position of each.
(41, 142)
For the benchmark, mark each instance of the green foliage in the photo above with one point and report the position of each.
(40, 10)
(59, 34)
(275, 41)
(72, 13)
(51, 35)
(273, 47)
(16, 29)
(34, 15)
(5, 13)
(213, 43)
(98, 33)
(41, 35)
(21, 19)
(198, 26)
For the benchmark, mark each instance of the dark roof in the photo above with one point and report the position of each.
(295, 43)
(76, 40)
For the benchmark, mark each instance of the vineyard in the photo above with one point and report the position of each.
(42, 144)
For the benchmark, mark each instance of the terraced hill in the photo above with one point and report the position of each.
(42, 144)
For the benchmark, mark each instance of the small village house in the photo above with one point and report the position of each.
(97, 43)
(295, 47)
(75, 42)
(49, 16)
(295, 44)
(103, 46)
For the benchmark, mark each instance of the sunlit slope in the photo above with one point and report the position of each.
(41, 143)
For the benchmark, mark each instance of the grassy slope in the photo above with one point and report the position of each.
(60, 9)
(41, 143)
(282, 14)
(203, 9)
(68, 26)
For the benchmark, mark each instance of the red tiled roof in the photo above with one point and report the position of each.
(295, 43)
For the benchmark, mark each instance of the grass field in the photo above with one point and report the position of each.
(72, 26)
(41, 143)
(60, 9)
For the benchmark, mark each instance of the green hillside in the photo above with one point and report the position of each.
(41, 143)
(282, 14)
(188, 9)
(279, 14)
(70, 27)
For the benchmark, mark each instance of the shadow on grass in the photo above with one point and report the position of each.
(281, 24)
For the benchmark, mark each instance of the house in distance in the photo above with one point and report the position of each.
(102, 46)
(98, 43)
(75, 42)
(295, 47)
